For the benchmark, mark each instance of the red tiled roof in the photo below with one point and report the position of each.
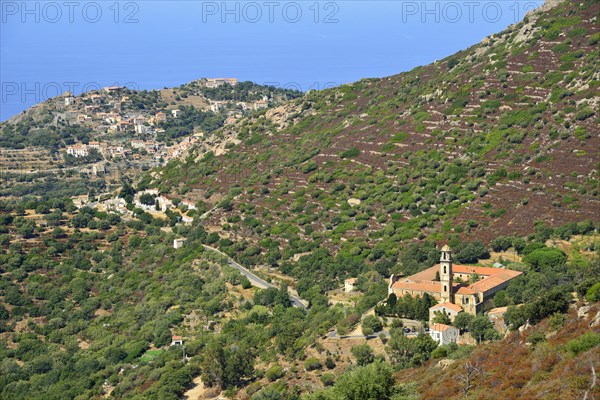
(454, 307)
(440, 327)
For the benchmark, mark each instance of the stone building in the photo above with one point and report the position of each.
(465, 286)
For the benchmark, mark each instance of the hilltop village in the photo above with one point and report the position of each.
(112, 114)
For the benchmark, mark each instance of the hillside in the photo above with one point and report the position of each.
(494, 140)
(553, 360)
(91, 303)
(73, 145)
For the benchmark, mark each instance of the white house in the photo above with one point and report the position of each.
(178, 243)
(175, 113)
(176, 340)
(451, 310)
(443, 334)
(350, 285)
(78, 150)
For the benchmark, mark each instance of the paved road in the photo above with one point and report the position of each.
(254, 280)
(334, 335)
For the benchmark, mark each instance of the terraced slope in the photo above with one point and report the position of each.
(493, 140)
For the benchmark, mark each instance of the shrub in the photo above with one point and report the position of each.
(312, 364)
(535, 338)
(556, 321)
(593, 293)
(363, 354)
(583, 343)
(350, 153)
(373, 323)
(274, 373)
(328, 379)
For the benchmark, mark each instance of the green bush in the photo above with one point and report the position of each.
(312, 364)
(583, 343)
(274, 373)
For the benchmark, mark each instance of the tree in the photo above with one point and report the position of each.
(471, 372)
(371, 382)
(501, 243)
(593, 293)
(371, 323)
(462, 321)
(363, 354)
(481, 328)
(472, 252)
(441, 317)
(212, 364)
(546, 257)
(147, 199)
(239, 366)
(26, 229)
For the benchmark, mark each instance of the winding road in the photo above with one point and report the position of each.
(254, 280)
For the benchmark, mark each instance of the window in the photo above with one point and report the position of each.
(445, 288)
(444, 269)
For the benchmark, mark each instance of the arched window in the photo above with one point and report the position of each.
(445, 289)
(444, 269)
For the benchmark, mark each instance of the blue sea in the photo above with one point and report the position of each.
(48, 47)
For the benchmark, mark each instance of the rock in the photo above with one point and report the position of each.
(595, 321)
(354, 202)
(583, 311)
(523, 328)
(443, 364)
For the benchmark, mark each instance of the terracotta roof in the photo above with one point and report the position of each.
(451, 306)
(350, 280)
(465, 290)
(498, 310)
(421, 286)
(440, 327)
(177, 337)
(424, 280)
(471, 269)
(492, 281)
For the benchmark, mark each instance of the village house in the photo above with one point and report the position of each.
(92, 108)
(175, 113)
(190, 205)
(216, 82)
(82, 118)
(113, 89)
(112, 118)
(165, 203)
(160, 116)
(441, 281)
(69, 100)
(81, 200)
(350, 285)
(443, 334)
(140, 119)
(176, 340)
(261, 104)
(215, 106)
(123, 126)
(178, 243)
(137, 144)
(451, 310)
(101, 147)
(138, 128)
(78, 150)
(96, 98)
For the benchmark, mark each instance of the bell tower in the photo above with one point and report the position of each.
(446, 275)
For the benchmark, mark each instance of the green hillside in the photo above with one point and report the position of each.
(499, 139)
